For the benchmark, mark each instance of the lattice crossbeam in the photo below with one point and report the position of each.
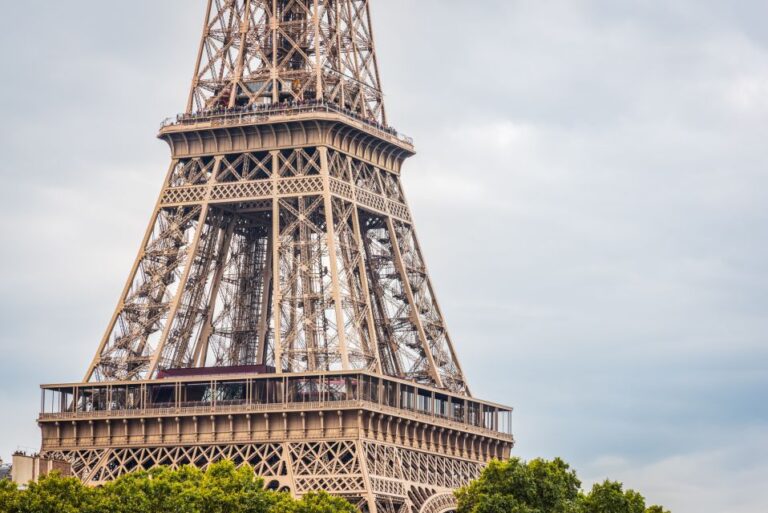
(392, 477)
(270, 51)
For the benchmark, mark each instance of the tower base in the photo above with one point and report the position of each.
(352, 435)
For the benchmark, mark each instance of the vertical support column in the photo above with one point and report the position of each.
(196, 77)
(357, 74)
(337, 18)
(436, 303)
(333, 255)
(375, 62)
(373, 337)
(266, 297)
(273, 27)
(131, 277)
(370, 497)
(289, 469)
(201, 348)
(319, 93)
(245, 25)
(414, 307)
(276, 284)
(187, 270)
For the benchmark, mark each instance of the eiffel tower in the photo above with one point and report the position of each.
(279, 312)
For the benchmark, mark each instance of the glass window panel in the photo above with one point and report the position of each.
(230, 393)
(162, 396)
(196, 394)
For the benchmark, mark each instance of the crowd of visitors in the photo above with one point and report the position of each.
(293, 106)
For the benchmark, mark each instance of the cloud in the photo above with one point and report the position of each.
(728, 476)
(589, 193)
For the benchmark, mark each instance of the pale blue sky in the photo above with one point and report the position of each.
(590, 192)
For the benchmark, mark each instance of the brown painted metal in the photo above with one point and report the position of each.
(282, 239)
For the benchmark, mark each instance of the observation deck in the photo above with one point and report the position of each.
(275, 422)
(276, 113)
(223, 393)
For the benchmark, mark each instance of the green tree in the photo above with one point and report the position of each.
(55, 494)
(222, 488)
(160, 490)
(227, 489)
(542, 486)
(321, 502)
(610, 497)
(9, 496)
(514, 486)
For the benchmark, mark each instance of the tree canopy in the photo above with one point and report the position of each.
(513, 486)
(541, 486)
(220, 489)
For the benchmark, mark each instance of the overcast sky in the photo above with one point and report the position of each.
(590, 191)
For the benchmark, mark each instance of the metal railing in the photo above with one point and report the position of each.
(212, 408)
(262, 113)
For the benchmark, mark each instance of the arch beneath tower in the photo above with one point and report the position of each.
(440, 503)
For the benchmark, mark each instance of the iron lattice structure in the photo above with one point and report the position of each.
(300, 49)
(279, 312)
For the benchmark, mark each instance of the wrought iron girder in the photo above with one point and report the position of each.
(261, 50)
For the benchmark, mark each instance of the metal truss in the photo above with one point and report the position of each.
(289, 258)
(281, 284)
(373, 475)
(257, 51)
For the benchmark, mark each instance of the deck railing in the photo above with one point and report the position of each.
(262, 113)
(262, 408)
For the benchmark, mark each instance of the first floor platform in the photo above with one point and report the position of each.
(387, 445)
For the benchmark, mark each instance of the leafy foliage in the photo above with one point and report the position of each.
(514, 486)
(223, 488)
(320, 503)
(610, 497)
(541, 486)
(9, 496)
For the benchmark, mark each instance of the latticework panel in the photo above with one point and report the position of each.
(325, 458)
(430, 317)
(406, 465)
(392, 188)
(367, 177)
(176, 351)
(401, 350)
(184, 195)
(257, 51)
(326, 275)
(238, 316)
(299, 186)
(241, 191)
(439, 503)
(141, 317)
(356, 315)
(299, 162)
(373, 188)
(338, 166)
(85, 462)
(397, 479)
(102, 465)
(245, 167)
(195, 171)
(308, 335)
(391, 505)
(388, 487)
